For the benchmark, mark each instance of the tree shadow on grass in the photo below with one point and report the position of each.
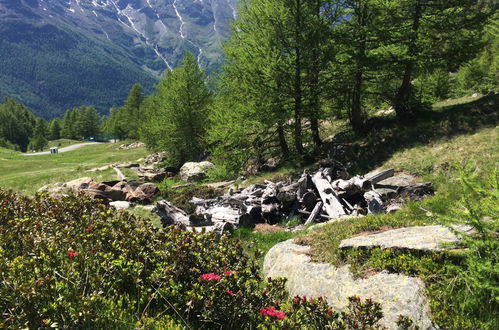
(386, 136)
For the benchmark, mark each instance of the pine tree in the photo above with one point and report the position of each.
(132, 111)
(16, 123)
(177, 113)
(55, 127)
(40, 132)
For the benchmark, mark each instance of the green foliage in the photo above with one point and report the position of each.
(481, 74)
(81, 123)
(54, 129)
(124, 122)
(16, 124)
(51, 68)
(74, 263)
(271, 82)
(40, 133)
(176, 115)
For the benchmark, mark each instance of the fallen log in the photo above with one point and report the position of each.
(380, 176)
(170, 214)
(288, 194)
(330, 199)
(309, 200)
(349, 187)
(315, 212)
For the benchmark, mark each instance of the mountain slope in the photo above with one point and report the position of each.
(57, 54)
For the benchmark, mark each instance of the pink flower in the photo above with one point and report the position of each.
(296, 300)
(38, 224)
(72, 254)
(272, 312)
(280, 315)
(229, 292)
(210, 276)
(263, 311)
(227, 273)
(329, 312)
(90, 228)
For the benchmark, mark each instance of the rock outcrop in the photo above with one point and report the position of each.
(398, 294)
(422, 238)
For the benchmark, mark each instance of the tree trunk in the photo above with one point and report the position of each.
(356, 118)
(297, 83)
(356, 115)
(402, 99)
(314, 83)
(282, 141)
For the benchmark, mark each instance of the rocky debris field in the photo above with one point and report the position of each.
(107, 191)
(324, 195)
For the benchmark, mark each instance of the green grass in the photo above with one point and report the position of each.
(259, 243)
(27, 174)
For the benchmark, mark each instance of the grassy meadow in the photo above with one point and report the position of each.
(27, 174)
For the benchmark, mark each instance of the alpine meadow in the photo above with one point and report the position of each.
(249, 164)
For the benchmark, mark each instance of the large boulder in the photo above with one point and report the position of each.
(79, 184)
(192, 171)
(398, 294)
(144, 194)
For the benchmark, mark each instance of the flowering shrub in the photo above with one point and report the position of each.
(74, 263)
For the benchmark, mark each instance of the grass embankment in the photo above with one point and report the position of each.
(27, 174)
(60, 143)
(456, 148)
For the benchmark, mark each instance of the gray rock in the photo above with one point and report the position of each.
(195, 171)
(426, 238)
(398, 294)
(120, 205)
(401, 180)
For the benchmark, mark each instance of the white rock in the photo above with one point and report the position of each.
(120, 205)
(195, 171)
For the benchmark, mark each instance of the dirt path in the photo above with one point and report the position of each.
(65, 149)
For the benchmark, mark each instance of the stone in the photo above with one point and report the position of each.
(271, 164)
(131, 145)
(120, 205)
(399, 180)
(192, 171)
(152, 174)
(145, 207)
(423, 238)
(155, 158)
(145, 193)
(397, 294)
(79, 184)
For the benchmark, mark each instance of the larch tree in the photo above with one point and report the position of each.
(177, 113)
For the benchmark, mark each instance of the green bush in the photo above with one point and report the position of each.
(74, 263)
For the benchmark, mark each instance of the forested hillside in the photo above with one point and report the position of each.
(57, 54)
